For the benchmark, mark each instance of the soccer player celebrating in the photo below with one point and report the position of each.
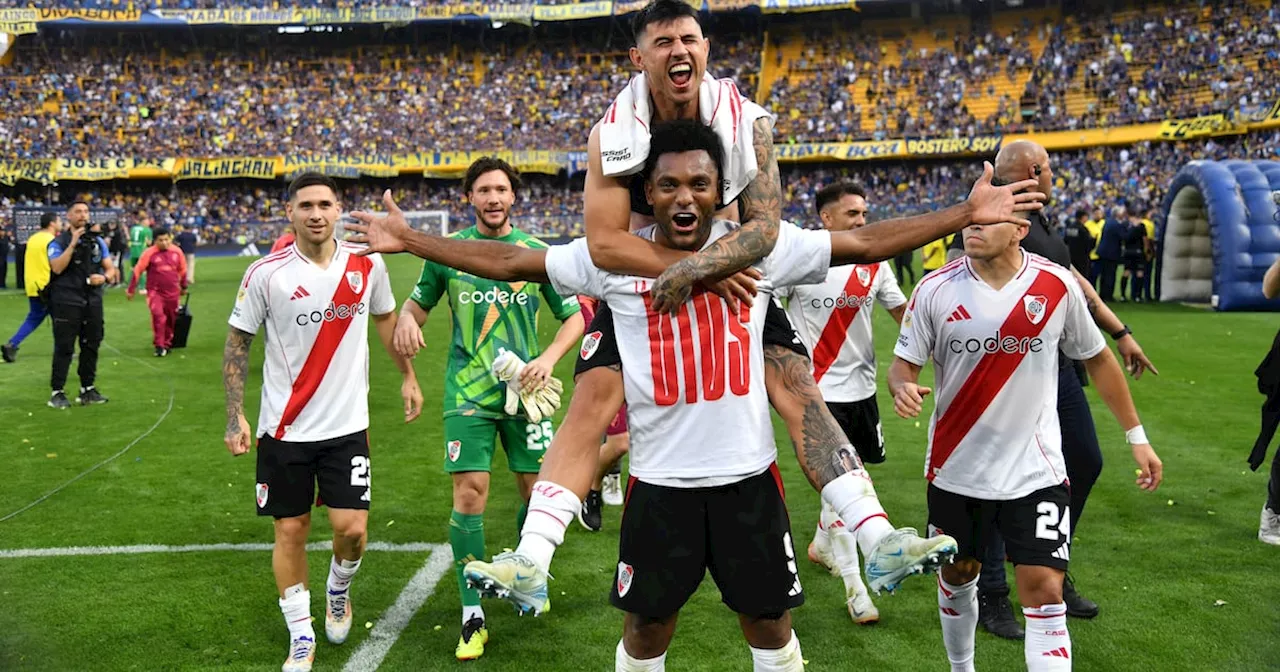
(732, 466)
(165, 284)
(833, 319)
(1022, 160)
(993, 323)
(315, 298)
(487, 316)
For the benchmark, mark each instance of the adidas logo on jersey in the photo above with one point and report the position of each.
(958, 315)
(1063, 553)
(300, 293)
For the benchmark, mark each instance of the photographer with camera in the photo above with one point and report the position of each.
(80, 264)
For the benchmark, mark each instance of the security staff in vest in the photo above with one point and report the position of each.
(80, 265)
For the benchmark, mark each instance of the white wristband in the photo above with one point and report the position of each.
(1136, 436)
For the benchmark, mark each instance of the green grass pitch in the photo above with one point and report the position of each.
(1157, 564)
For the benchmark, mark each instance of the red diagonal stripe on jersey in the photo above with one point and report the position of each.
(964, 313)
(326, 344)
(827, 348)
(992, 372)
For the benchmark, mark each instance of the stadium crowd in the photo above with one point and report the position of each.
(1133, 177)
(69, 95)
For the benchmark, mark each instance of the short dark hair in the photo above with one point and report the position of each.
(488, 164)
(304, 180)
(160, 231)
(834, 192)
(685, 135)
(660, 11)
(78, 202)
(48, 218)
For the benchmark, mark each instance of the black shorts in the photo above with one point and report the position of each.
(670, 537)
(600, 345)
(1036, 528)
(860, 421)
(289, 471)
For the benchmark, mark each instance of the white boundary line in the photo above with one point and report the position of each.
(107, 461)
(369, 656)
(394, 620)
(67, 551)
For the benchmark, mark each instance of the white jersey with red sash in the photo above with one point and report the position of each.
(315, 380)
(994, 431)
(833, 319)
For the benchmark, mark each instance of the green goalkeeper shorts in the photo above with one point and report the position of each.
(469, 443)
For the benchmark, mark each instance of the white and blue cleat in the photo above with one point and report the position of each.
(904, 552)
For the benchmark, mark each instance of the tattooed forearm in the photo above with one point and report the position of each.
(821, 446)
(235, 364)
(760, 205)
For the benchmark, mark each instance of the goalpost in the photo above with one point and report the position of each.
(426, 221)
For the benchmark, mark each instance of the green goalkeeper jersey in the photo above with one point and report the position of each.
(487, 315)
(139, 239)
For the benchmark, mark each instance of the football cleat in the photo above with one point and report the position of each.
(612, 489)
(513, 577)
(337, 616)
(1269, 527)
(302, 653)
(10, 352)
(474, 637)
(820, 554)
(904, 552)
(861, 609)
(590, 515)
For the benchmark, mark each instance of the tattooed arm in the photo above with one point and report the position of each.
(235, 364)
(760, 207)
(821, 446)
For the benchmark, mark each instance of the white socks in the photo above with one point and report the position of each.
(958, 610)
(551, 509)
(622, 662)
(844, 548)
(296, 607)
(853, 497)
(1048, 646)
(341, 573)
(468, 612)
(786, 659)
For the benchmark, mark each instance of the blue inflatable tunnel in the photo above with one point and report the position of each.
(1221, 234)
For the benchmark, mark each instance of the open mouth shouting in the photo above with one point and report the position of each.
(684, 222)
(681, 74)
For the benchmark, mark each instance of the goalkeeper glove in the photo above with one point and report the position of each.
(538, 403)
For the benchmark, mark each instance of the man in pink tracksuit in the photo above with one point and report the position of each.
(166, 270)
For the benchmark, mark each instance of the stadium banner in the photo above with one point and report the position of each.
(840, 151)
(18, 21)
(259, 167)
(797, 6)
(1199, 127)
(348, 166)
(227, 16)
(24, 220)
(31, 170)
(447, 165)
(94, 170)
(86, 14)
(573, 12)
(978, 145)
